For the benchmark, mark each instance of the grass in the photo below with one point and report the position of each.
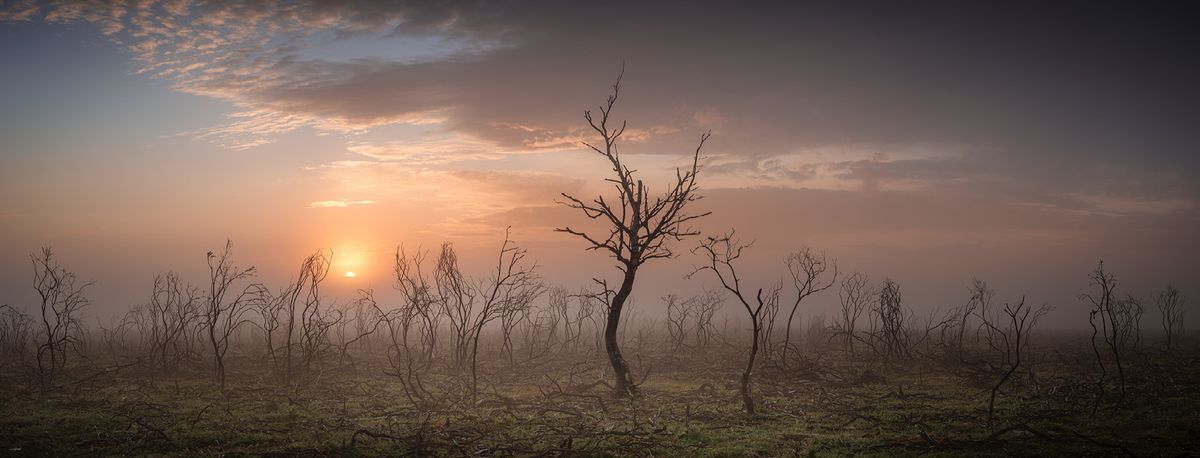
(687, 407)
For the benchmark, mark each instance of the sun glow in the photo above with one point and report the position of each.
(351, 274)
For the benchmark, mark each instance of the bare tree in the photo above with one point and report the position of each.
(1129, 322)
(300, 304)
(269, 308)
(586, 315)
(678, 312)
(720, 254)
(806, 269)
(366, 321)
(889, 322)
(222, 316)
(514, 284)
(692, 316)
(173, 308)
(558, 300)
(422, 309)
(538, 328)
(401, 323)
(768, 316)
(1009, 340)
(315, 322)
(515, 316)
(706, 306)
(979, 304)
(855, 296)
(1104, 321)
(1170, 304)
(639, 224)
(61, 301)
(16, 333)
(458, 299)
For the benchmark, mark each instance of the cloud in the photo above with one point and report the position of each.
(342, 203)
(429, 150)
(1116, 205)
(825, 100)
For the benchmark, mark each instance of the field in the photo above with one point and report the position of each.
(822, 402)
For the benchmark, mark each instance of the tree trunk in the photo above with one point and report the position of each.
(624, 383)
(748, 401)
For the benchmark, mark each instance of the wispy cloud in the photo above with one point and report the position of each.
(867, 112)
(340, 203)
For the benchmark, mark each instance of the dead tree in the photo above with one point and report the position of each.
(558, 299)
(806, 269)
(1129, 322)
(173, 307)
(1009, 341)
(509, 320)
(855, 296)
(538, 330)
(423, 307)
(16, 333)
(639, 224)
(706, 306)
(300, 304)
(366, 321)
(1103, 319)
(889, 322)
(678, 312)
(720, 253)
(585, 315)
(513, 284)
(270, 308)
(61, 302)
(222, 315)
(1170, 304)
(405, 361)
(457, 296)
(979, 304)
(315, 322)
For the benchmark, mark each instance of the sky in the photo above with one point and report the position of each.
(926, 142)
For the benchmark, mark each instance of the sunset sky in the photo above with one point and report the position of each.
(1018, 143)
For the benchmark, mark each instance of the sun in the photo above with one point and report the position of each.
(351, 274)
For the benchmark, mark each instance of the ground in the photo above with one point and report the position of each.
(686, 406)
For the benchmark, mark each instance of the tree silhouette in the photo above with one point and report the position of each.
(639, 225)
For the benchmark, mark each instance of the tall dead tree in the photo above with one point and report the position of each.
(855, 296)
(1008, 339)
(1170, 305)
(889, 322)
(514, 284)
(421, 306)
(678, 312)
(61, 301)
(719, 254)
(458, 297)
(1129, 322)
(639, 224)
(314, 322)
(981, 301)
(222, 316)
(173, 307)
(704, 311)
(558, 301)
(806, 269)
(299, 302)
(1104, 321)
